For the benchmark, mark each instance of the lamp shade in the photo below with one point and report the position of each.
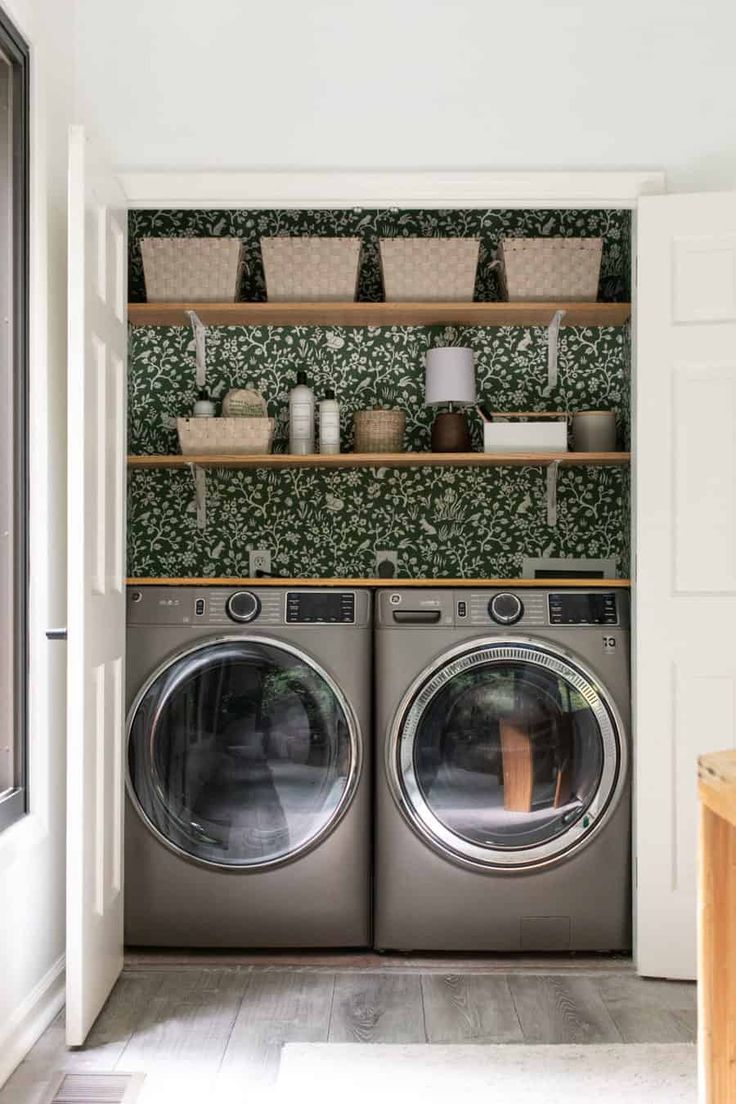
(450, 376)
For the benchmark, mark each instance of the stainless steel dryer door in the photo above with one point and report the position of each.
(242, 753)
(506, 755)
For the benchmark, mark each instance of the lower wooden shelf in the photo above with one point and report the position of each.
(514, 583)
(383, 460)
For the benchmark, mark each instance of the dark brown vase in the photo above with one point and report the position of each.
(451, 433)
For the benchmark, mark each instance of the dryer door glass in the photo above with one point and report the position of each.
(242, 754)
(508, 756)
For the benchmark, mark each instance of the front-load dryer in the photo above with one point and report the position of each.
(248, 815)
(503, 798)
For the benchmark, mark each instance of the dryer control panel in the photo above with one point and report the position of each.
(497, 608)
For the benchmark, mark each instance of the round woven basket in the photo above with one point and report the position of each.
(379, 430)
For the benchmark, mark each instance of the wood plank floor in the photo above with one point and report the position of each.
(217, 1028)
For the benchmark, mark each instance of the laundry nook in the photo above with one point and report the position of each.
(367, 547)
(431, 668)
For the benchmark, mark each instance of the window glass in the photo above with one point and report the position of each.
(13, 383)
(7, 742)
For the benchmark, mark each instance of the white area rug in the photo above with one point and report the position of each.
(505, 1074)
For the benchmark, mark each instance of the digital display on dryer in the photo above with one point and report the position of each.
(583, 609)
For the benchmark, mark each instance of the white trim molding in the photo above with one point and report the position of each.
(389, 189)
(31, 1018)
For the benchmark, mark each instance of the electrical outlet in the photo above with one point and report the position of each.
(260, 562)
(387, 564)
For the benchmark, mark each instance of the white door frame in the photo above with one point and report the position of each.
(431, 190)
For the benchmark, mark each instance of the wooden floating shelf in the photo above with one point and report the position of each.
(516, 583)
(385, 460)
(379, 314)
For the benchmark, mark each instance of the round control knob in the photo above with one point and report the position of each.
(243, 606)
(505, 609)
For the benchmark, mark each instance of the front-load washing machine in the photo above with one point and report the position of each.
(503, 797)
(248, 812)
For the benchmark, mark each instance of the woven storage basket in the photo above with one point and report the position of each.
(550, 268)
(310, 269)
(225, 436)
(429, 269)
(191, 270)
(379, 430)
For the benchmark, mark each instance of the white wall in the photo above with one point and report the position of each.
(414, 84)
(32, 850)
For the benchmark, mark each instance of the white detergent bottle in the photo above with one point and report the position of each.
(329, 424)
(301, 417)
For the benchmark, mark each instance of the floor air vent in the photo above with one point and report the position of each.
(97, 1088)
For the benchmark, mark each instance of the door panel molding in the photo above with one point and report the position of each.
(703, 452)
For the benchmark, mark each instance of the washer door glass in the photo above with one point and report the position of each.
(242, 754)
(507, 756)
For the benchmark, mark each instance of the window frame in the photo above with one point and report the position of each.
(14, 801)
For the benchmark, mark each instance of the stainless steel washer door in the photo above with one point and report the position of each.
(506, 755)
(242, 753)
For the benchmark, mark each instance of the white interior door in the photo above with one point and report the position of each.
(685, 444)
(96, 593)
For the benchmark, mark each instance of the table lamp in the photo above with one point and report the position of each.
(450, 378)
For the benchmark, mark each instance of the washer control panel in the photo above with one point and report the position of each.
(230, 608)
(234, 608)
(505, 608)
(320, 607)
(591, 608)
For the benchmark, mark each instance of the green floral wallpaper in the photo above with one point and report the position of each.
(449, 522)
(443, 522)
(454, 522)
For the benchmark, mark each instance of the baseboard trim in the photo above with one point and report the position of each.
(31, 1018)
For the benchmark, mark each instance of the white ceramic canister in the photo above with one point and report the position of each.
(301, 417)
(594, 431)
(329, 424)
(204, 406)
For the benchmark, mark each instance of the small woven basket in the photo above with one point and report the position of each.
(545, 269)
(379, 430)
(192, 270)
(302, 270)
(225, 436)
(429, 269)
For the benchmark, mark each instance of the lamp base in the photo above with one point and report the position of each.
(451, 433)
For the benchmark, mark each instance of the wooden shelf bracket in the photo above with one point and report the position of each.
(552, 470)
(553, 341)
(199, 476)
